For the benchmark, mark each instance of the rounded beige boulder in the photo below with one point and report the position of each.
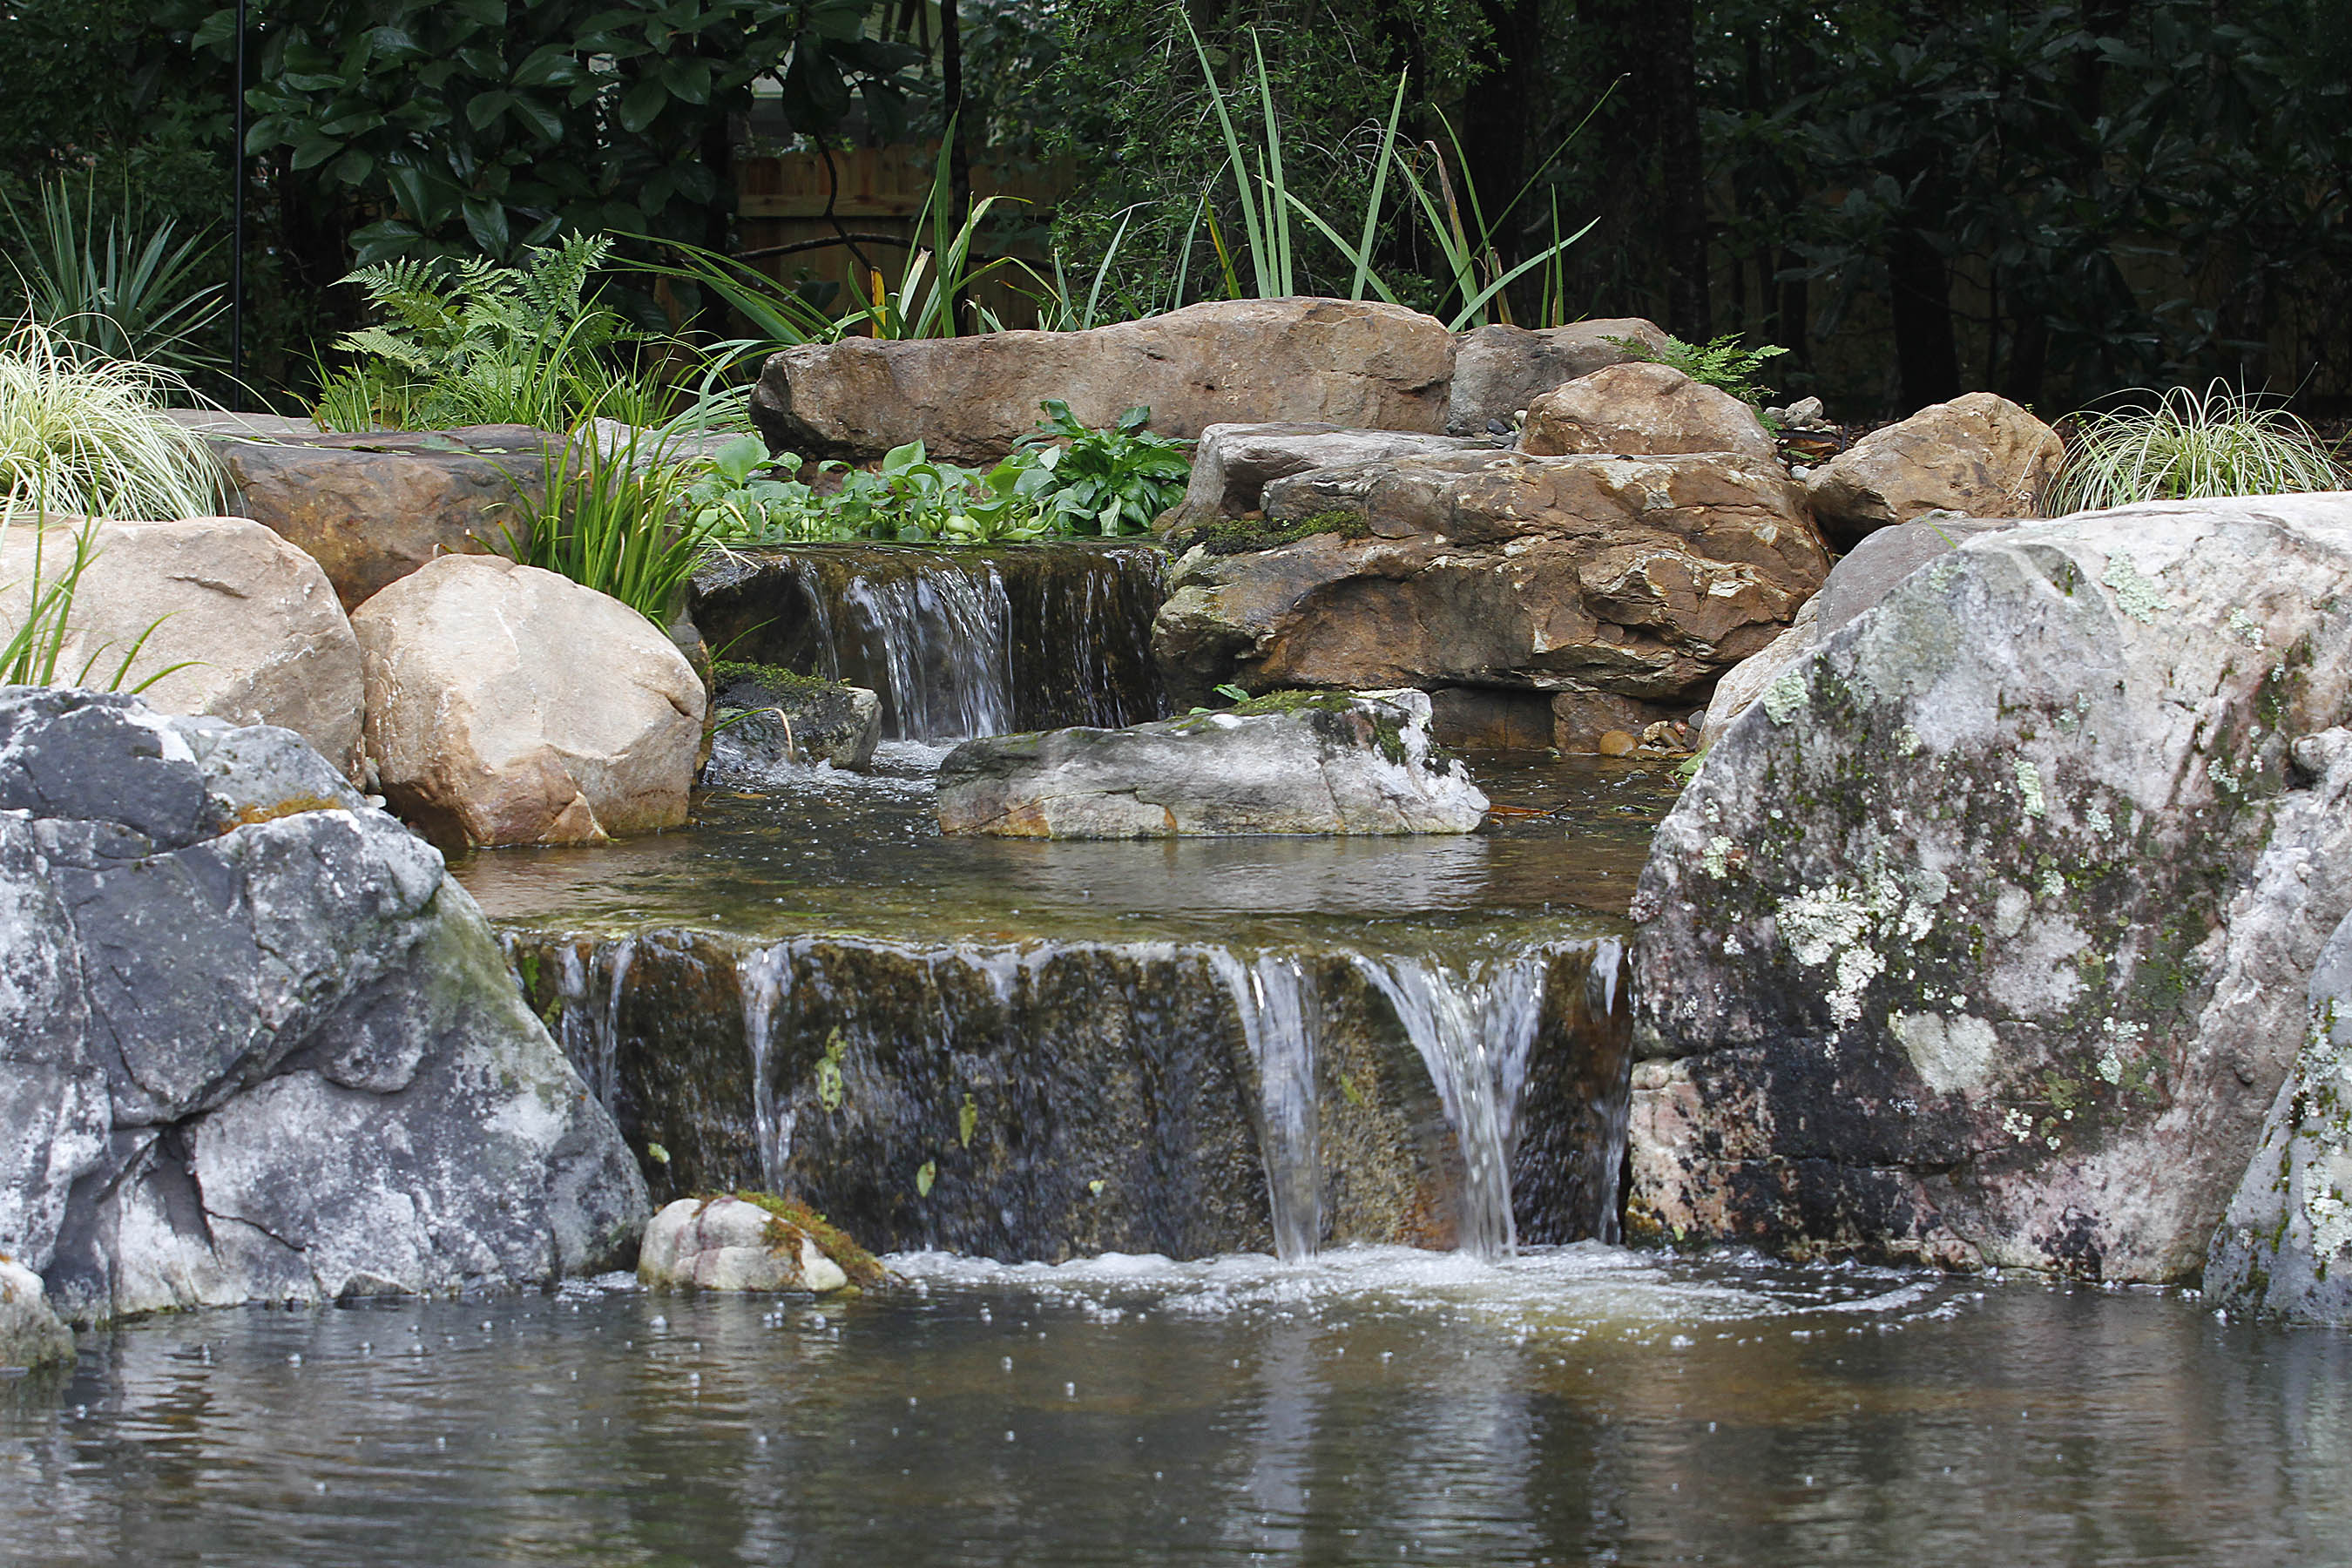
(225, 617)
(727, 1244)
(508, 705)
(1642, 410)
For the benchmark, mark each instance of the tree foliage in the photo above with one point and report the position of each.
(490, 125)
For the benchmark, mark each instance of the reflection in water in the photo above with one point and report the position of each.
(1576, 1404)
(848, 853)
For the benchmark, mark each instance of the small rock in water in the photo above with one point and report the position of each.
(1617, 744)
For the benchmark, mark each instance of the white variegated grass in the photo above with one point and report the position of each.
(2188, 444)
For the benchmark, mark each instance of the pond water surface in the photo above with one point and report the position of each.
(1578, 1404)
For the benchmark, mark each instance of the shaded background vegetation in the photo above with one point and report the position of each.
(1917, 197)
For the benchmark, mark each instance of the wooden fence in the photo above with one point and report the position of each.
(782, 202)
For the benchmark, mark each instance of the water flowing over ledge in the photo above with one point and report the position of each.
(955, 642)
(1055, 1099)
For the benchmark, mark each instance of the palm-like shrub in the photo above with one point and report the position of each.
(89, 437)
(120, 291)
(2186, 444)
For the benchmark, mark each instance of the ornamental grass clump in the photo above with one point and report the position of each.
(89, 437)
(2188, 444)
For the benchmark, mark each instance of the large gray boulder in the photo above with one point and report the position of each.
(1234, 463)
(212, 615)
(1289, 763)
(1862, 577)
(1984, 937)
(254, 1044)
(1499, 371)
(969, 399)
(508, 705)
(1980, 455)
(1597, 582)
(2284, 1249)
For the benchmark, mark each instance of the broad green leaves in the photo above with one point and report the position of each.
(485, 125)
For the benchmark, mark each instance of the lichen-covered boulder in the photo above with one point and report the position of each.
(1500, 369)
(1233, 464)
(254, 1044)
(1640, 410)
(1980, 455)
(1287, 763)
(372, 508)
(31, 1334)
(1625, 579)
(208, 615)
(508, 705)
(2284, 1249)
(1984, 936)
(759, 1243)
(969, 399)
(1862, 577)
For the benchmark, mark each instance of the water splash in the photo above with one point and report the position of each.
(1474, 1027)
(1275, 995)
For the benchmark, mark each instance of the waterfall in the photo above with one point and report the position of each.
(1045, 1099)
(935, 645)
(763, 978)
(1473, 1028)
(1274, 997)
(954, 642)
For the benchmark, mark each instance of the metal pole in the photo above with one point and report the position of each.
(237, 225)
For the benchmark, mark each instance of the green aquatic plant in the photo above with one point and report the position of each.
(610, 517)
(2186, 444)
(1104, 482)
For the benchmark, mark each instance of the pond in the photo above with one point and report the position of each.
(1377, 1405)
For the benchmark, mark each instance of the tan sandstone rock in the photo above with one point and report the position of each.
(373, 508)
(250, 621)
(507, 705)
(1980, 455)
(1640, 409)
(1337, 361)
(1633, 578)
(1499, 371)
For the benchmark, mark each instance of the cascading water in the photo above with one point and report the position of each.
(763, 974)
(1275, 995)
(954, 642)
(1473, 1028)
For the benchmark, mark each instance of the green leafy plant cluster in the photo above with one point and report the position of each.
(473, 343)
(2189, 444)
(1724, 361)
(495, 124)
(1066, 481)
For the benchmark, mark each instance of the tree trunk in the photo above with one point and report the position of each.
(1673, 93)
(1926, 357)
(1501, 118)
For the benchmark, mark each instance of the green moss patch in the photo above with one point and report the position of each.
(863, 1268)
(1247, 535)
